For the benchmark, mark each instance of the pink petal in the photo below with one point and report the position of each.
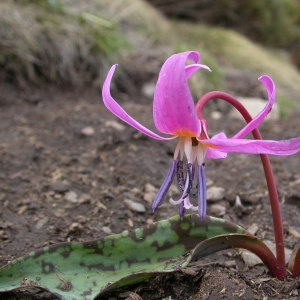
(270, 86)
(213, 153)
(173, 108)
(117, 110)
(282, 148)
(191, 69)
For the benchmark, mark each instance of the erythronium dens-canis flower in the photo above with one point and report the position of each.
(174, 113)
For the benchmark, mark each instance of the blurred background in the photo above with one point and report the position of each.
(73, 43)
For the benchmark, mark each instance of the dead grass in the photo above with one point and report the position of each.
(55, 44)
(76, 41)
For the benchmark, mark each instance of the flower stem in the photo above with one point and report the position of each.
(273, 195)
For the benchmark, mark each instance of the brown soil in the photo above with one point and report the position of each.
(44, 155)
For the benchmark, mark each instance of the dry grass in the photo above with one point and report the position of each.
(77, 41)
(55, 44)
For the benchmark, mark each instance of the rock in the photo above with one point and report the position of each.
(250, 258)
(135, 206)
(255, 106)
(253, 228)
(40, 223)
(106, 229)
(217, 210)
(71, 196)
(59, 187)
(114, 124)
(216, 115)
(293, 232)
(215, 193)
(150, 193)
(272, 247)
(173, 190)
(88, 131)
(148, 89)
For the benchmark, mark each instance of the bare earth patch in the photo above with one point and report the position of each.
(68, 166)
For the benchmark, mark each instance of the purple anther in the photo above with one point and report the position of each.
(189, 177)
(201, 191)
(165, 186)
(179, 173)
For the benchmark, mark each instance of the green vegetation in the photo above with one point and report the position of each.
(49, 40)
(75, 42)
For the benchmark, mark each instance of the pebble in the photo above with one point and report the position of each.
(40, 223)
(106, 229)
(293, 232)
(88, 131)
(253, 228)
(250, 258)
(230, 263)
(255, 106)
(173, 190)
(114, 124)
(150, 193)
(217, 210)
(216, 115)
(272, 246)
(71, 196)
(148, 89)
(215, 193)
(59, 187)
(135, 206)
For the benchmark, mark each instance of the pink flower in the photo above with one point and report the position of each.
(174, 114)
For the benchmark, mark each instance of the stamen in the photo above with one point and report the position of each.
(182, 210)
(201, 191)
(189, 177)
(165, 186)
(179, 174)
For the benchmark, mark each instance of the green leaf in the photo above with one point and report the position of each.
(78, 270)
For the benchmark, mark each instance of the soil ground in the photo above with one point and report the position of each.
(59, 183)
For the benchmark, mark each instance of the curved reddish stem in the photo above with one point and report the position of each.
(273, 195)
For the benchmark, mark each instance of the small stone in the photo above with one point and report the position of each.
(88, 131)
(293, 232)
(250, 258)
(150, 188)
(254, 107)
(230, 263)
(114, 124)
(71, 196)
(253, 228)
(217, 210)
(173, 190)
(148, 89)
(216, 115)
(59, 187)
(215, 193)
(130, 223)
(150, 193)
(40, 223)
(135, 206)
(106, 229)
(272, 247)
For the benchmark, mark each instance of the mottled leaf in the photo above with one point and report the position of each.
(84, 270)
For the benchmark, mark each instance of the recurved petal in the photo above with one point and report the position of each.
(173, 108)
(117, 110)
(282, 148)
(270, 87)
(214, 153)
